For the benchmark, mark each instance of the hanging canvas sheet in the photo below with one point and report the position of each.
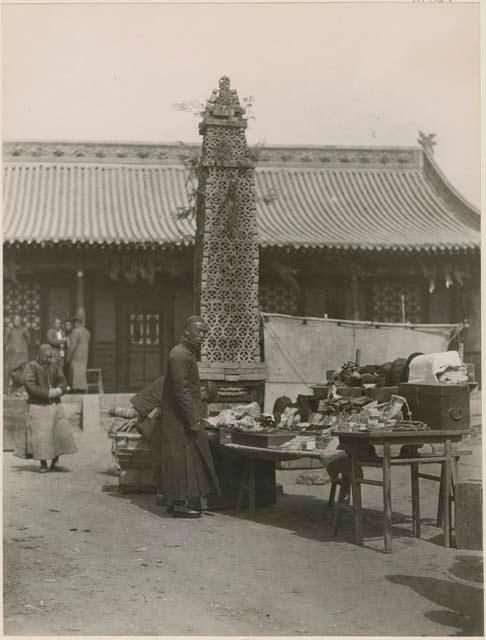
(299, 351)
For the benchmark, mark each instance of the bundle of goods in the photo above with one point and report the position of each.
(352, 375)
(453, 375)
(353, 379)
(244, 420)
(445, 367)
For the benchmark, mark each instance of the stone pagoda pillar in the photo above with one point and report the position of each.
(226, 251)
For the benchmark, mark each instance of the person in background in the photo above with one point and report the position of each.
(178, 441)
(57, 339)
(16, 342)
(48, 434)
(77, 357)
(68, 329)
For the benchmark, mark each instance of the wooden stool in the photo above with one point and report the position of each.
(98, 384)
(344, 503)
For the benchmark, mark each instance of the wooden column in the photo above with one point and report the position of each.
(80, 296)
(355, 296)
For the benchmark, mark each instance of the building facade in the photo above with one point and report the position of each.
(107, 229)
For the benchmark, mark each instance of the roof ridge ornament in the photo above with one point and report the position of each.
(427, 141)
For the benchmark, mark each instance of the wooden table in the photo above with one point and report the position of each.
(251, 455)
(357, 446)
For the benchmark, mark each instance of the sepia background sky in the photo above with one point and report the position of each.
(324, 74)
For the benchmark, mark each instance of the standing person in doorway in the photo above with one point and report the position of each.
(16, 342)
(48, 434)
(77, 357)
(179, 443)
(56, 338)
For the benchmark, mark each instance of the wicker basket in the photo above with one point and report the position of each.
(128, 448)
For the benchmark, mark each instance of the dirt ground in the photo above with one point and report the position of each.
(81, 559)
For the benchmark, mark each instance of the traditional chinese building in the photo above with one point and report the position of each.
(364, 233)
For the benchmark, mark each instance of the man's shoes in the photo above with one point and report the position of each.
(185, 512)
(43, 467)
(53, 464)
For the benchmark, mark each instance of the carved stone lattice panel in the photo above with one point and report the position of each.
(224, 145)
(279, 299)
(226, 255)
(23, 299)
(387, 303)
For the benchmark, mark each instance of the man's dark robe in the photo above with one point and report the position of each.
(186, 464)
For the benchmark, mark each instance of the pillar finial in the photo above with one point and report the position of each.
(223, 108)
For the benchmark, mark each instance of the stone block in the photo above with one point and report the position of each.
(14, 419)
(302, 463)
(469, 530)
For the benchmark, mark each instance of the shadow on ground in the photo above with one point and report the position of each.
(303, 515)
(468, 568)
(462, 605)
(34, 468)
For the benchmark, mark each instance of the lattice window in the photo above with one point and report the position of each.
(390, 301)
(23, 299)
(279, 299)
(144, 328)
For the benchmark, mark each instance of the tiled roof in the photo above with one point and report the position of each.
(316, 197)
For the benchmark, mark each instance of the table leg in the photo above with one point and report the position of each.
(440, 510)
(387, 505)
(251, 486)
(446, 505)
(358, 523)
(414, 470)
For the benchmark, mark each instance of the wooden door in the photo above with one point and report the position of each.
(144, 348)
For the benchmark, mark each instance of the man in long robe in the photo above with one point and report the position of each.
(48, 434)
(77, 356)
(57, 339)
(178, 440)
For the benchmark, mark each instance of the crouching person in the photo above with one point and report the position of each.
(48, 434)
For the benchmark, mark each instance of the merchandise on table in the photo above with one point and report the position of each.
(245, 418)
(438, 367)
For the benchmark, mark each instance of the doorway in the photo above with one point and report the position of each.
(144, 337)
